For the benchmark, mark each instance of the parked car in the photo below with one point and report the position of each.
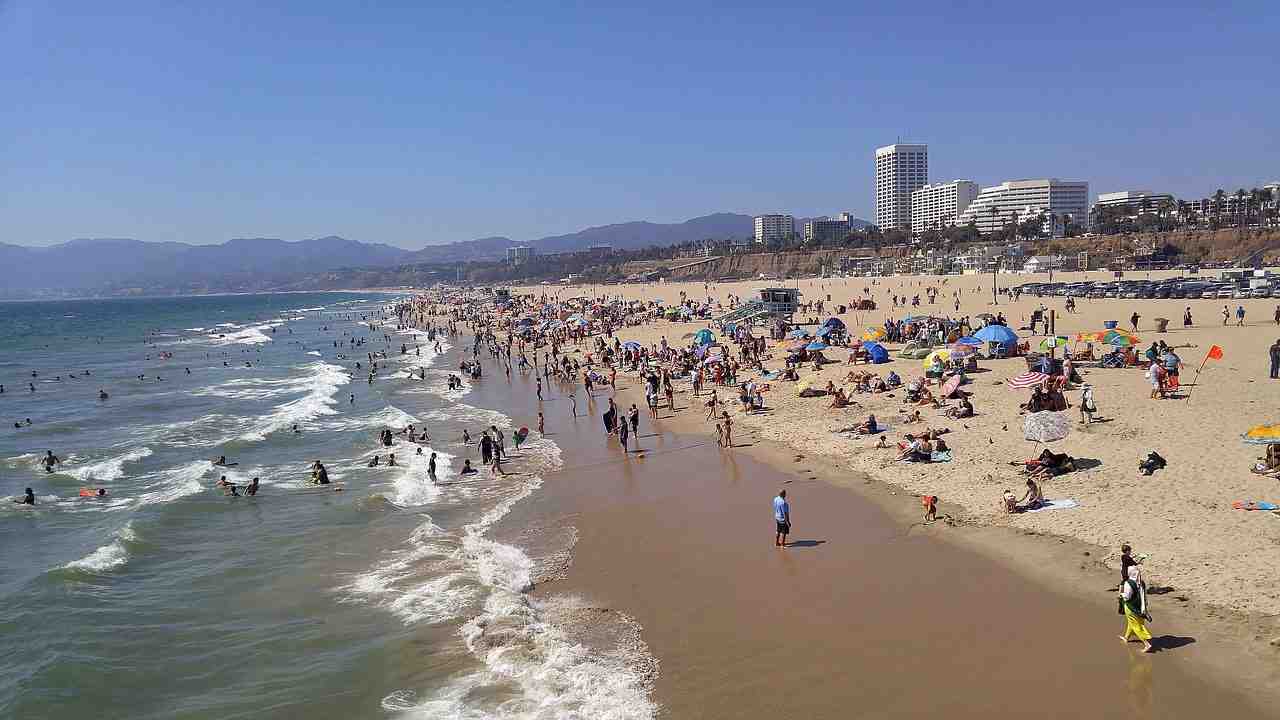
(1260, 292)
(1226, 293)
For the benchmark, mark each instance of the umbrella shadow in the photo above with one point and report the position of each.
(1162, 643)
(805, 543)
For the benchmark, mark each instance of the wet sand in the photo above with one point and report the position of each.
(864, 615)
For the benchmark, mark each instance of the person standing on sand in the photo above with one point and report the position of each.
(1133, 321)
(1186, 316)
(728, 429)
(1239, 316)
(1274, 351)
(781, 518)
(1226, 315)
(1133, 602)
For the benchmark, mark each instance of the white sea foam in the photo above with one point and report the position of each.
(324, 381)
(313, 352)
(176, 482)
(243, 335)
(413, 485)
(109, 469)
(111, 556)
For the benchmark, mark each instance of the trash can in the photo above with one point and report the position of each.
(1162, 325)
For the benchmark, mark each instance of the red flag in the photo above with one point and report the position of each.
(1215, 353)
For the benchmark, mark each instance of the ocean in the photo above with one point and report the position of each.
(393, 597)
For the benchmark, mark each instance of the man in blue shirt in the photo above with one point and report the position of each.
(782, 516)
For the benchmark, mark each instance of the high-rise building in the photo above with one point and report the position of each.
(774, 228)
(938, 205)
(1137, 202)
(997, 205)
(519, 255)
(900, 169)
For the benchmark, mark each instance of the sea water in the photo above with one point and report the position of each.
(168, 599)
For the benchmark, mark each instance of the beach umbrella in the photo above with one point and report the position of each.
(713, 360)
(960, 351)
(834, 323)
(997, 334)
(950, 386)
(1027, 379)
(1091, 336)
(1047, 426)
(824, 331)
(874, 333)
(798, 333)
(632, 345)
(1263, 435)
(970, 340)
(1051, 342)
(1119, 338)
(943, 355)
(704, 337)
(815, 345)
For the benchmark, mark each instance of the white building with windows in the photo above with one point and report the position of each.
(519, 255)
(938, 205)
(1135, 200)
(998, 205)
(825, 231)
(900, 169)
(774, 228)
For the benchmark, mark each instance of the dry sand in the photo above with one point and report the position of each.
(1181, 517)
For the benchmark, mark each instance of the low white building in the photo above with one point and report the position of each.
(998, 205)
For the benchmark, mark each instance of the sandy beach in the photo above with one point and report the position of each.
(1208, 559)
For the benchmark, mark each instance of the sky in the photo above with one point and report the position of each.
(413, 125)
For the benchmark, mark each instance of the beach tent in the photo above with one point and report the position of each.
(824, 331)
(704, 337)
(876, 352)
(970, 340)
(997, 334)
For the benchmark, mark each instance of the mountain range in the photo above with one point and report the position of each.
(106, 265)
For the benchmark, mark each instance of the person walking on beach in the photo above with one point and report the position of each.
(1133, 604)
(1239, 316)
(781, 518)
(573, 405)
(1226, 315)
(623, 433)
(1186, 316)
(728, 429)
(634, 416)
(1274, 352)
(539, 389)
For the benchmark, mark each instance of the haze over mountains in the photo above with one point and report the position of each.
(102, 265)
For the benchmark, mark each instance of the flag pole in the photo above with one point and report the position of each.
(1195, 382)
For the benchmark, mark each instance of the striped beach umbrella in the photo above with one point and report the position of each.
(1263, 435)
(1027, 379)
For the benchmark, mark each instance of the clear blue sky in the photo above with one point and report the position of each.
(399, 123)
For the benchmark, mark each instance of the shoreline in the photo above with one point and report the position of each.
(1234, 659)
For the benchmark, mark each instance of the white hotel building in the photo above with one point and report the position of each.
(1027, 198)
(774, 228)
(939, 205)
(900, 169)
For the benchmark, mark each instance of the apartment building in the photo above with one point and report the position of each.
(995, 206)
(774, 228)
(900, 169)
(938, 205)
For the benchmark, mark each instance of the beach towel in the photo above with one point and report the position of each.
(940, 456)
(1064, 504)
(1240, 505)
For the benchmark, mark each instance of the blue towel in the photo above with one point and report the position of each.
(941, 456)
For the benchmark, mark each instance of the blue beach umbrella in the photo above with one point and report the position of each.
(798, 333)
(704, 337)
(876, 352)
(997, 334)
(815, 345)
(632, 345)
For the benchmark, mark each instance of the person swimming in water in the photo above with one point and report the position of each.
(466, 467)
(102, 394)
(49, 460)
(252, 488)
(28, 499)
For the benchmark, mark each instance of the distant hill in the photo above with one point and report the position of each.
(112, 265)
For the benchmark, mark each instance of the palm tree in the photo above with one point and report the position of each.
(1219, 198)
(1182, 212)
(1240, 195)
(1066, 220)
(1053, 219)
